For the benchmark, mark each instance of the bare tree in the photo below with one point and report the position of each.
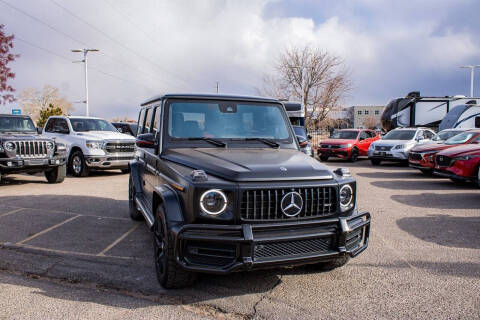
(33, 101)
(315, 77)
(6, 57)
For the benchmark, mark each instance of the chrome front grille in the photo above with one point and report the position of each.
(31, 149)
(383, 148)
(120, 147)
(265, 204)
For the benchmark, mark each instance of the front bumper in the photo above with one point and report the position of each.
(14, 165)
(223, 249)
(339, 152)
(392, 155)
(109, 161)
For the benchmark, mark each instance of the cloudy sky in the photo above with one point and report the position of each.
(151, 47)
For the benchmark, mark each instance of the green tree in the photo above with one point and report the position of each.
(49, 111)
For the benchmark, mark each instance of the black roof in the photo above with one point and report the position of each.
(207, 96)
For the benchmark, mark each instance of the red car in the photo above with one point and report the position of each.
(347, 144)
(423, 156)
(460, 163)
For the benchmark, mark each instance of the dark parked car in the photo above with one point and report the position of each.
(126, 127)
(23, 150)
(223, 186)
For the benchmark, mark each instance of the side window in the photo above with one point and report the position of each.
(62, 123)
(156, 121)
(372, 134)
(477, 122)
(363, 135)
(428, 134)
(50, 125)
(141, 121)
(148, 121)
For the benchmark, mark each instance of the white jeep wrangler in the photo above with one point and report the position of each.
(92, 143)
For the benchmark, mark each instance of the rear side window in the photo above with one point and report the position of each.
(364, 135)
(428, 134)
(158, 112)
(141, 121)
(477, 122)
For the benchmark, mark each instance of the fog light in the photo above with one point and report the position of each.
(57, 161)
(9, 164)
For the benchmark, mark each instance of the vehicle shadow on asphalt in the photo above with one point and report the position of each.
(444, 230)
(398, 174)
(39, 178)
(440, 184)
(440, 201)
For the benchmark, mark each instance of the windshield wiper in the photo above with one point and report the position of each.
(211, 140)
(269, 142)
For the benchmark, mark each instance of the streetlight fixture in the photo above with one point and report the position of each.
(85, 51)
(472, 70)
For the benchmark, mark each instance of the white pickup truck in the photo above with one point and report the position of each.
(92, 143)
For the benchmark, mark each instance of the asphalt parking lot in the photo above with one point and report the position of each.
(423, 260)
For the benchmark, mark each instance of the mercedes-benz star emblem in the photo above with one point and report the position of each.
(291, 204)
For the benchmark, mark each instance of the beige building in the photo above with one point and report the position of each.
(364, 116)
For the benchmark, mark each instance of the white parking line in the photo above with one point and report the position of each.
(47, 230)
(114, 243)
(11, 212)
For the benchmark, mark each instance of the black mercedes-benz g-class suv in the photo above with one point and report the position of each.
(22, 149)
(221, 182)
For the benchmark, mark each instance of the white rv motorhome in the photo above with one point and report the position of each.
(415, 110)
(463, 116)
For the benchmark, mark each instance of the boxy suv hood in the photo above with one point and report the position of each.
(251, 164)
(105, 135)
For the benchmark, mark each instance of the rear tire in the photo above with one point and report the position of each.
(333, 264)
(56, 175)
(376, 162)
(323, 158)
(353, 155)
(77, 165)
(169, 273)
(476, 182)
(125, 171)
(427, 172)
(135, 214)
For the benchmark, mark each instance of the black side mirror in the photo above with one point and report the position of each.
(39, 130)
(146, 140)
(309, 137)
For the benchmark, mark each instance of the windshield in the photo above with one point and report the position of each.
(16, 124)
(134, 128)
(400, 135)
(444, 135)
(83, 125)
(300, 131)
(460, 138)
(351, 135)
(226, 120)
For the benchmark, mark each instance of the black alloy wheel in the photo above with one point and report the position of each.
(354, 155)
(169, 273)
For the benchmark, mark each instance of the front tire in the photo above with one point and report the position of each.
(427, 172)
(169, 273)
(135, 214)
(353, 155)
(77, 165)
(376, 162)
(56, 175)
(125, 171)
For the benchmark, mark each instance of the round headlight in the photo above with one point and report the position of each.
(50, 145)
(346, 196)
(213, 202)
(9, 146)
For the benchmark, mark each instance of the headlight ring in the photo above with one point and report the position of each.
(50, 145)
(9, 146)
(213, 202)
(346, 197)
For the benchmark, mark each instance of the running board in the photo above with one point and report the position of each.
(148, 217)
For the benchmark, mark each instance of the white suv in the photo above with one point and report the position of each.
(396, 144)
(92, 143)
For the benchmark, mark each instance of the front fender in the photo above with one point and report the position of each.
(171, 203)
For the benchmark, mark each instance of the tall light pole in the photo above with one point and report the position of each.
(85, 51)
(472, 71)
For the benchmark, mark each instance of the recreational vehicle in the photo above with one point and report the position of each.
(415, 110)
